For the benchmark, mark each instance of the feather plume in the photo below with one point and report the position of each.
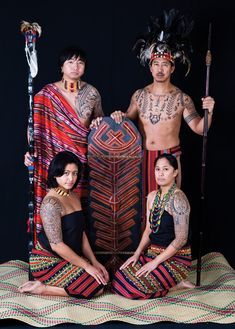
(33, 27)
(168, 33)
(31, 32)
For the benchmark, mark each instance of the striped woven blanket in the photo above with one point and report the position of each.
(213, 301)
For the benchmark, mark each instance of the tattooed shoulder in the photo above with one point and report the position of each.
(136, 95)
(188, 103)
(93, 90)
(50, 213)
(179, 204)
(87, 99)
(52, 203)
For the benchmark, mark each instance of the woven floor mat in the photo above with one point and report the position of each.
(213, 301)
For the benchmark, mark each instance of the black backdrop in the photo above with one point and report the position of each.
(107, 32)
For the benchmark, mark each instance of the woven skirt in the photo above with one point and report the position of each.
(55, 271)
(156, 284)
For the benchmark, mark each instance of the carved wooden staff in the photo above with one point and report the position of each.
(204, 151)
(31, 32)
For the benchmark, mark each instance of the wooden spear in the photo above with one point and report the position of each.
(203, 167)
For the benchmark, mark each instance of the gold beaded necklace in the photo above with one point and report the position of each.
(61, 191)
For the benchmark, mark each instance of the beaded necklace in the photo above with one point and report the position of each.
(158, 208)
(61, 191)
(71, 86)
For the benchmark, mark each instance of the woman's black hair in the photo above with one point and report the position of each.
(170, 158)
(57, 167)
(70, 52)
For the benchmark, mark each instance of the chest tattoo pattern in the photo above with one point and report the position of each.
(155, 108)
(86, 101)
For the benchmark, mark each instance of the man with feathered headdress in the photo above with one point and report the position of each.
(160, 106)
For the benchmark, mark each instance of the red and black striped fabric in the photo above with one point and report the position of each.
(55, 271)
(115, 162)
(56, 128)
(159, 281)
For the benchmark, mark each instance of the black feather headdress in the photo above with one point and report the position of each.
(167, 37)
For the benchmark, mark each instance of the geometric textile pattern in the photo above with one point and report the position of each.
(114, 198)
(56, 128)
(213, 301)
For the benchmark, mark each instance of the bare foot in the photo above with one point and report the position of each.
(33, 287)
(183, 285)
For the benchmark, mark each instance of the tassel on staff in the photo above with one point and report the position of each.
(204, 152)
(31, 32)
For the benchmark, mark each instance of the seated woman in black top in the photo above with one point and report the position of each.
(167, 260)
(62, 262)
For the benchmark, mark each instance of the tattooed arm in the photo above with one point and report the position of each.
(192, 118)
(50, 213)
(132, 111)
(51, 218)
(88, 103)
(180, 211)
(98, 112)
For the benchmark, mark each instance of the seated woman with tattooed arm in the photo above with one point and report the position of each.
(162, 260)
(62, 261)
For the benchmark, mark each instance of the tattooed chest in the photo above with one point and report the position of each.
(85, 105)
(156, 109)
(84, 111)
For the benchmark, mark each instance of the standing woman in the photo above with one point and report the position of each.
(62, 262)
(166, 262)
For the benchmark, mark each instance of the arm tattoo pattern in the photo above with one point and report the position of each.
(188, 104)
(180, 209)
(191, 116)
(98, 112)
(50, 213)
(86, 101)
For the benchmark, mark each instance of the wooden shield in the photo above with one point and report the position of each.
(114, 201)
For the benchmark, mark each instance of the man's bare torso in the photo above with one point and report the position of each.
(160, 117)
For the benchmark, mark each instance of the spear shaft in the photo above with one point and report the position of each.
(31, 32)
(203, 166)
